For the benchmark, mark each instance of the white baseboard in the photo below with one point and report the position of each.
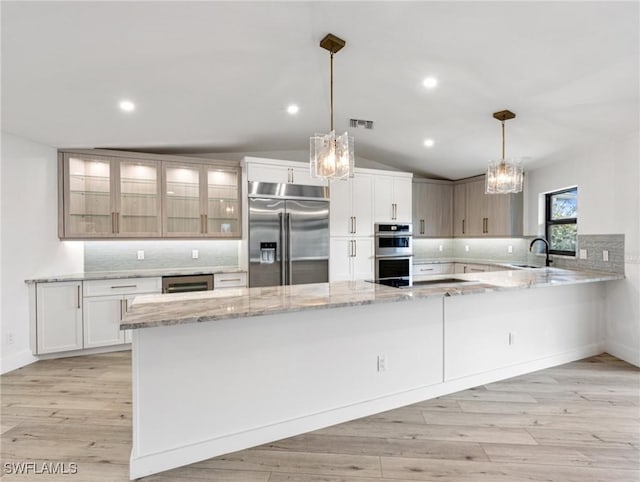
(13, 361)
(148, 464)
(86, 351)
(626, 353)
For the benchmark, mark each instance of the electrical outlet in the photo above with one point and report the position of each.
(466, 248)
(382, 363)
(605, 255)
(194, 254)
(512, 338)
(140, 254)
(10, 339)
(509, 249)
(583, 254)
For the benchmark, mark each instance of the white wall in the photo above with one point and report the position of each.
(608, 178)
(29, 243)
(293, 155)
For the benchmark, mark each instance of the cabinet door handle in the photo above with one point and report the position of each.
(486, 225)
(123, 286)
(463, 226)
(121, 310)
(355, 249)
(422, 226)
(79, 296)
(205, 229)
(354, 225)
(117, 222)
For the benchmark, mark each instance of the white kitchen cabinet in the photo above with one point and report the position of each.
(229, 280)
(280, 172)
(461, 268)
(102, 315)
(351, 259)
(106, 302)
(424, 271)
(432, 208)
(58, 317)
(351, 207)
(392, 198)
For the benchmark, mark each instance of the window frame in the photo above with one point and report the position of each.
(555, 222)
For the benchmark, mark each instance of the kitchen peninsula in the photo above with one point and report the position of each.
(215, 372)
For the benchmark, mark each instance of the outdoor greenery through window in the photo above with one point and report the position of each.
(562, 221)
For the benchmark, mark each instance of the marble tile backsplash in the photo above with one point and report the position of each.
(595, 244)
(123, 255)
(497, 250)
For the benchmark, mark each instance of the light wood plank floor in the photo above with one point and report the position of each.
(577, 422)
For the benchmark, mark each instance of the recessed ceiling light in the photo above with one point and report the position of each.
(127, 106)
(428, 143)
(293, 109)
(430, 82)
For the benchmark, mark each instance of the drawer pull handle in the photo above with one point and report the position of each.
(124, 286)
(228, 280)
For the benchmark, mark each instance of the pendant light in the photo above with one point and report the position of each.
(331, 156)
(504, 175)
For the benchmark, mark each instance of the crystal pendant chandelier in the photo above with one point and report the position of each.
(504, 175)
(331, 156)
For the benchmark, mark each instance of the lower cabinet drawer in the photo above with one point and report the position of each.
(423, 271)
(229, 280)
(127, 286)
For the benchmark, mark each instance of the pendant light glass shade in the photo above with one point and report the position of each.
(331, 156)
(504, 176)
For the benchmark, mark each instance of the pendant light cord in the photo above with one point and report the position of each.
(502, 140)
(331, 109)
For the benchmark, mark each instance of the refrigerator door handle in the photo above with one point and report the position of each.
(282, 251)
(289, 262)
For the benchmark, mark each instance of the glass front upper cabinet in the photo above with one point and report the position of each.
(223, 210)
(201, 201)
(138, 199)
(88, 200)
(118, 195)
(183, 215)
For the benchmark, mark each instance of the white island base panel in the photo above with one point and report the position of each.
(207, 389)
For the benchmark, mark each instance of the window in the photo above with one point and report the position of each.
(562, 221)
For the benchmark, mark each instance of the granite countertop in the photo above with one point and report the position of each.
(142, 273)
(178, 308)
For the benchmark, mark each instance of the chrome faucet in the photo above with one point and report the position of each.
(547, 261)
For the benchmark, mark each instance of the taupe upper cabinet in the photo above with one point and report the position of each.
(113, 194)
(432, 208)
(201, 200)
(477, 214)
(108, 197)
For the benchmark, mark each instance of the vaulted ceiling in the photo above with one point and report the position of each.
(218, 76)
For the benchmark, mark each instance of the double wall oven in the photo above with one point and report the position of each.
(394, 254)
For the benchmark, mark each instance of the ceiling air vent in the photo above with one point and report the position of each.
(361, 123)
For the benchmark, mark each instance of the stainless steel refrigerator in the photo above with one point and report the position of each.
(288, 234)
